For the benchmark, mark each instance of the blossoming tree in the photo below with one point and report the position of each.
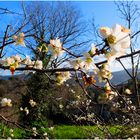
(115, 42)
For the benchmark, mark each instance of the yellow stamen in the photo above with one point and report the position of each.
(88, 60)
(111, 39)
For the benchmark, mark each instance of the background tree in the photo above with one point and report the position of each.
(58, 19)
(130, 12)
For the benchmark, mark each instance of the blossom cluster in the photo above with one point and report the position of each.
(6, 102)
(116, 40)
(16, 61)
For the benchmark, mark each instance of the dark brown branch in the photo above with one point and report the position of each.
(7, 11)
(4, 39)
(64, 69)
(13, 122)
(124, 56)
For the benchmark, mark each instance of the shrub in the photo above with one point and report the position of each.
(49, 97)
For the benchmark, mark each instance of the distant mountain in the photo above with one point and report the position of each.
(7, 77)
(122, 76)
(118, 77)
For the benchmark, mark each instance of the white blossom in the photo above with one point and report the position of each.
(26, 110)
(118, 39)
(62, 77)
(55, 47)
(7, 61)
(34, 130)
(93, 49)
(76, 63)
(17, 58)
(6, 102)
(61, 106)
(128, 91)
(32, 103)
(19, 40)
(38, 64)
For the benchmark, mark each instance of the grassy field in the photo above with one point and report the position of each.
(72, 132)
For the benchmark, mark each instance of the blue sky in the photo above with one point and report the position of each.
(104, 13)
